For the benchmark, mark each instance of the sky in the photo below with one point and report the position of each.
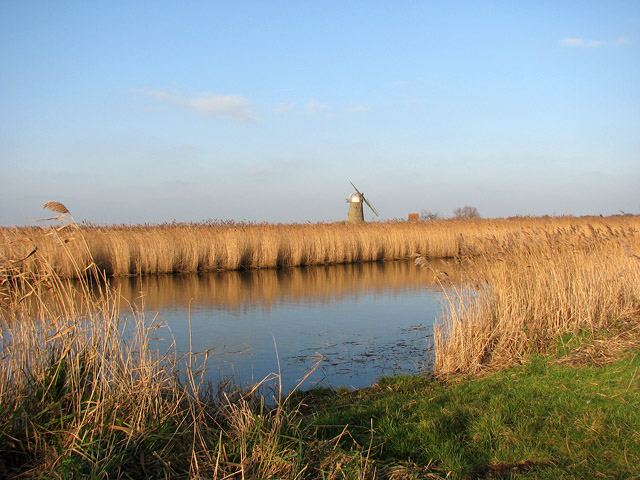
(137, 112)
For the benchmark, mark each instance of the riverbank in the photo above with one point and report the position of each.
(566, 415)
(211, 246)
(537, 371)
(573, 414)
(536, 376)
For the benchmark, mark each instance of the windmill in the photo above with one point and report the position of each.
(356, 209)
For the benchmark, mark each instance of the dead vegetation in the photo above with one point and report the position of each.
(211, 246)
(522, 292)
(620, 338)
(83, 393)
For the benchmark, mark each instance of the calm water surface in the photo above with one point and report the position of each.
(360, 322)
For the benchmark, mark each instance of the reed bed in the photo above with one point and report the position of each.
(524, 291)
(84, 394)
(211, 246)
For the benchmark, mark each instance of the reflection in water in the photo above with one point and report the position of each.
(241, 290)
(360, 321)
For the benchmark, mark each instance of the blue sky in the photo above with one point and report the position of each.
(134, 112)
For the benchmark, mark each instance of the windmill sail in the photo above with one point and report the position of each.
(370, 206)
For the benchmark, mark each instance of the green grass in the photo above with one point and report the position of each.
(540, 420)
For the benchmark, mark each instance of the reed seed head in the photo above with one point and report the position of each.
(55, 207)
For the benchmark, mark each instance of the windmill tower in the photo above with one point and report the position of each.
(356, 209)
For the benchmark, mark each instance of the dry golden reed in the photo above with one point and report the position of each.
(525, 290)
(55, 207)
(198, 247)
(83, 393)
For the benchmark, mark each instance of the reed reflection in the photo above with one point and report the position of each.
(242, 290)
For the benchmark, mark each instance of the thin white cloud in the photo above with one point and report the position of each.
(581, 42)
(284, 108)
(314, 107)
(361, 108)
(229, 107)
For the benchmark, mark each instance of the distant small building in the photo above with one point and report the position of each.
(414, 217)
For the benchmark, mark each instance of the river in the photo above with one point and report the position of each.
(357, 322)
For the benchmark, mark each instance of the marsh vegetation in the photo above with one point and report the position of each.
(536, 368)
(211, 246)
